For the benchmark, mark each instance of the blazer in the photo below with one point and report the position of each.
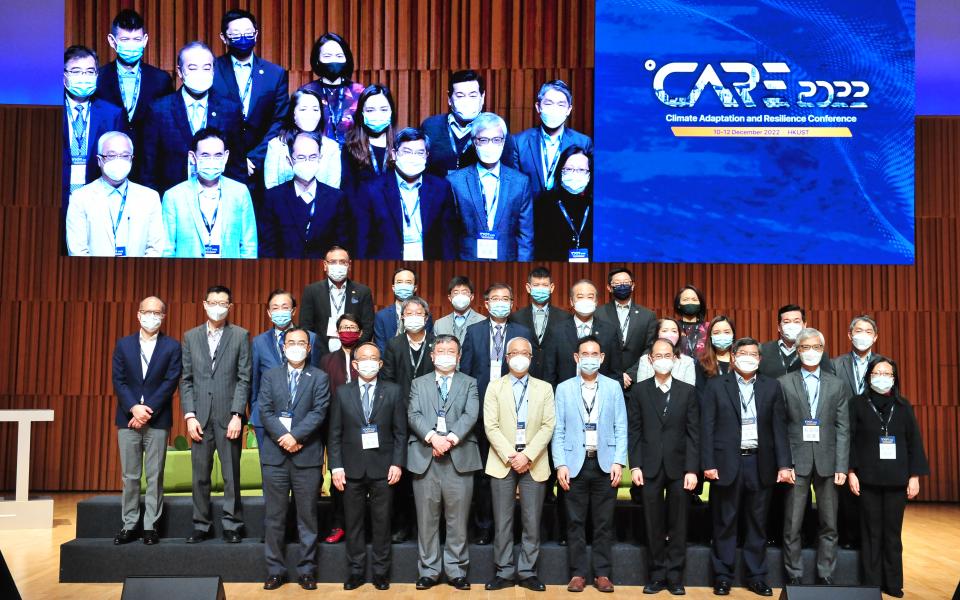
(513, 222)
(269, 100)
(266, 356)
(214, 391)
(103, 117)
(315, 309)
(500, 424)
(389, 414)
(187, 233)
(553, 236)
(865, 432)
(844, 369)
(334, 364)
(385, 326)
(528, 154)
(524, 316)
(462, 409)
(773, 366)
(309, 412)
(154, 84)
(285, 218)
(445, 325)
(663, 436)
(166, 139)
(830, 454)
(156, 388)
(641, 330)
(558, 363)
(443, 156)
(378, 216)
(475, 353)
(397, 366)
(720, 428)
(90, 222)
(568, 444)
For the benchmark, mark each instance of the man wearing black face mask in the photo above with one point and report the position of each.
(637, 325)
(261, 87)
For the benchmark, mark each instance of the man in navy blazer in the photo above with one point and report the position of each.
(406, 214)
(537, 150)
(388, 321)
(146, 371)
(171, 121)
(260, 86)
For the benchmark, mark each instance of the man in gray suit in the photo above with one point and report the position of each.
(442, 455)
(460, 294)
(293, 404)
(818, 425)
(213, 394)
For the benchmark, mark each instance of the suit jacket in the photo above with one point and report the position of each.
(269, 100)
(720, 428)
(103, 117)
(267, 356)
(513, 222)
(830, 455)
(668, 441)
(334, 364)
(462, 409)
(773, 365)
(865, 434)
(555, 316)
(315, 309)
(389, 414)
(309, 412)
(528, 154)
(166, 139)
(385, 326)
(475, 353)
(500, 423)
(443, 155)
(844, 369)
(445, 325)
(154, 84)
(285, 217)
(558, 363)
(568, 445)
(186, 232)
(90, 222)
(156, 388)
(378, 216)
(641, 331)
(397, 366)
(213, 391)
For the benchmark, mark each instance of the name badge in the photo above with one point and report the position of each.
(413, 251)
(520, 440)
(78, 174)
(286, 419)
(442, 422)
(888, 447)
(748, 428)
(496, 367)
(369, 437)
(811, 430)
(590, 436)
(120, 251)
(487, 246)
(211, 250)
(581, 255)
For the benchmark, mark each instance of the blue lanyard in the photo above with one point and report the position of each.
(746, 405)
(408, 217)
(336, 115)
(492, 209)
(816, 397)
(123, 205)
(523, 396)
(213, 220)
(375, 162)
(548, 172)
(136, 92)
(576, 234)
(245, 96)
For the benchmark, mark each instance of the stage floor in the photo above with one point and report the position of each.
(931, 564)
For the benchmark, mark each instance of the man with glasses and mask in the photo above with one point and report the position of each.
(114, 216)
(460, 294)
(636, 324)
(494, 201)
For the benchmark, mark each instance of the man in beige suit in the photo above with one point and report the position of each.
(518, 416)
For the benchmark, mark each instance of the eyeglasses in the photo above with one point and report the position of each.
(500, 299)
(566, 171)
(519, 353)
(808, 347)
(75, 72)
(661, 356)
(296, 343)
(150, 313)
(409, 152)
(483, 141)
(883, 373)
(750, 354)
(114, 156)
(350, 327)
(304, 157)
(220, 304)
(235, 37)
(345, 263)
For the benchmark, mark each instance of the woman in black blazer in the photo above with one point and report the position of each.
(563, 216)
(886, 461)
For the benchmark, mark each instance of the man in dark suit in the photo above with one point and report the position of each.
(484, 359)
(260, 86)
(779, 357)
(406, 214)
(744, 451)
(213, 394)
(128, 82)
(293, 402)
(494, 201)
(636, 325)
(146, 370)
(450, 133)
(541, 317)
(388, 321)
(537, 150)
(171, 122)
(664, 436)
(302, 217)
(368, 439)
(324, 301)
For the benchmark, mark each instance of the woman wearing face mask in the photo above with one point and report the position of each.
(684, 369)
(368, 151)
(305, 114)
(886, 462)
(332, 61)
(691, 305)
(715, 358)
(563, 216)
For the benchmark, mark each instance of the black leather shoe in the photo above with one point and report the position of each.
(273, 582)
(124, 536)
(824, 580)
(460, 583)
(307, 582)
(198, 536)
(721, 588)
(425, 583)
(498, 583)
(150, 537)
(894, 593)
(353, 582)
(655, 587)
(232, 537)
(380, 582)
(676, 589)
(760, 588)
(533, 584)
(484, 537)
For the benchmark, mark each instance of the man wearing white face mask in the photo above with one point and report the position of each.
(324, 301)
(494, 201)
(780, 356)
(114, 216)
(407, 214)
(172, 121)
(460, 294)
(388, 322)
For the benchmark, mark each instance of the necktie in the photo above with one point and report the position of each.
(280, 345)
(443, 389)
(367, 407)
(497, 350)
(584, 330)
(490, 197)
(195, 117)
(294, 379)
(79, 127)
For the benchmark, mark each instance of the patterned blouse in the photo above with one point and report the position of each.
(339, 104)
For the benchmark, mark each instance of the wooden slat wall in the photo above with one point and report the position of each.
(60, 317)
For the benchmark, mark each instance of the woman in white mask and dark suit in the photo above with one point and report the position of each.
(563, 216)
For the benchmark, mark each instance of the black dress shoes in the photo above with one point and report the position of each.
(381, 582)
(307, 582)
(425, 583)
(760, 588)
(150, 537)
(824, 580)
(721, 588)
(460, 583)
(124, 536)
(676, 589)
(353, 582)
(655, 587)
(499, 583)
(273, 582)
(894, 593)
(198, 536)
(533, 584)
(232, 537)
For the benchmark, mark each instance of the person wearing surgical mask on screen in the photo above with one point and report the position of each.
(306, 114)
(563, 216)
(332, 61)
(780, 355)
(368, 150)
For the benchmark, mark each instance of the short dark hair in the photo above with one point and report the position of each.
(334, 248)
(443, 338)
(294, 329)
(347, 53)
(234, 15)
(206, 133)
(411, 134)
(791, 308)
(497, 286)
(459, 280)
(744, 341)
(463, 77)
(313, 135)
(540, 273)
(282, 292)
(703, 301)
(399, 270)
(349, 317)
(588, 338)
(76, 51)
(557, 85)
(220, 289)
(127, 20)
(617, 271)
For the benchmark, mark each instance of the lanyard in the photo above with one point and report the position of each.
(492, 208)
(375, 162)
(313, 210)
(858, 377)
(583, 399)
(746, 405)
(576, 233)
(73, 120)
(143, 357)
(338, 308)
(453, 144)
(816, 397)
(336, 114)
(548, 171)
(523, 396)
(793, 359)
(294, 378)
(666, 403)
(132, 104)
(213, 220)
(245, 96)
(123, 205)
(884, 426)
(408, 217)
(416, 365)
